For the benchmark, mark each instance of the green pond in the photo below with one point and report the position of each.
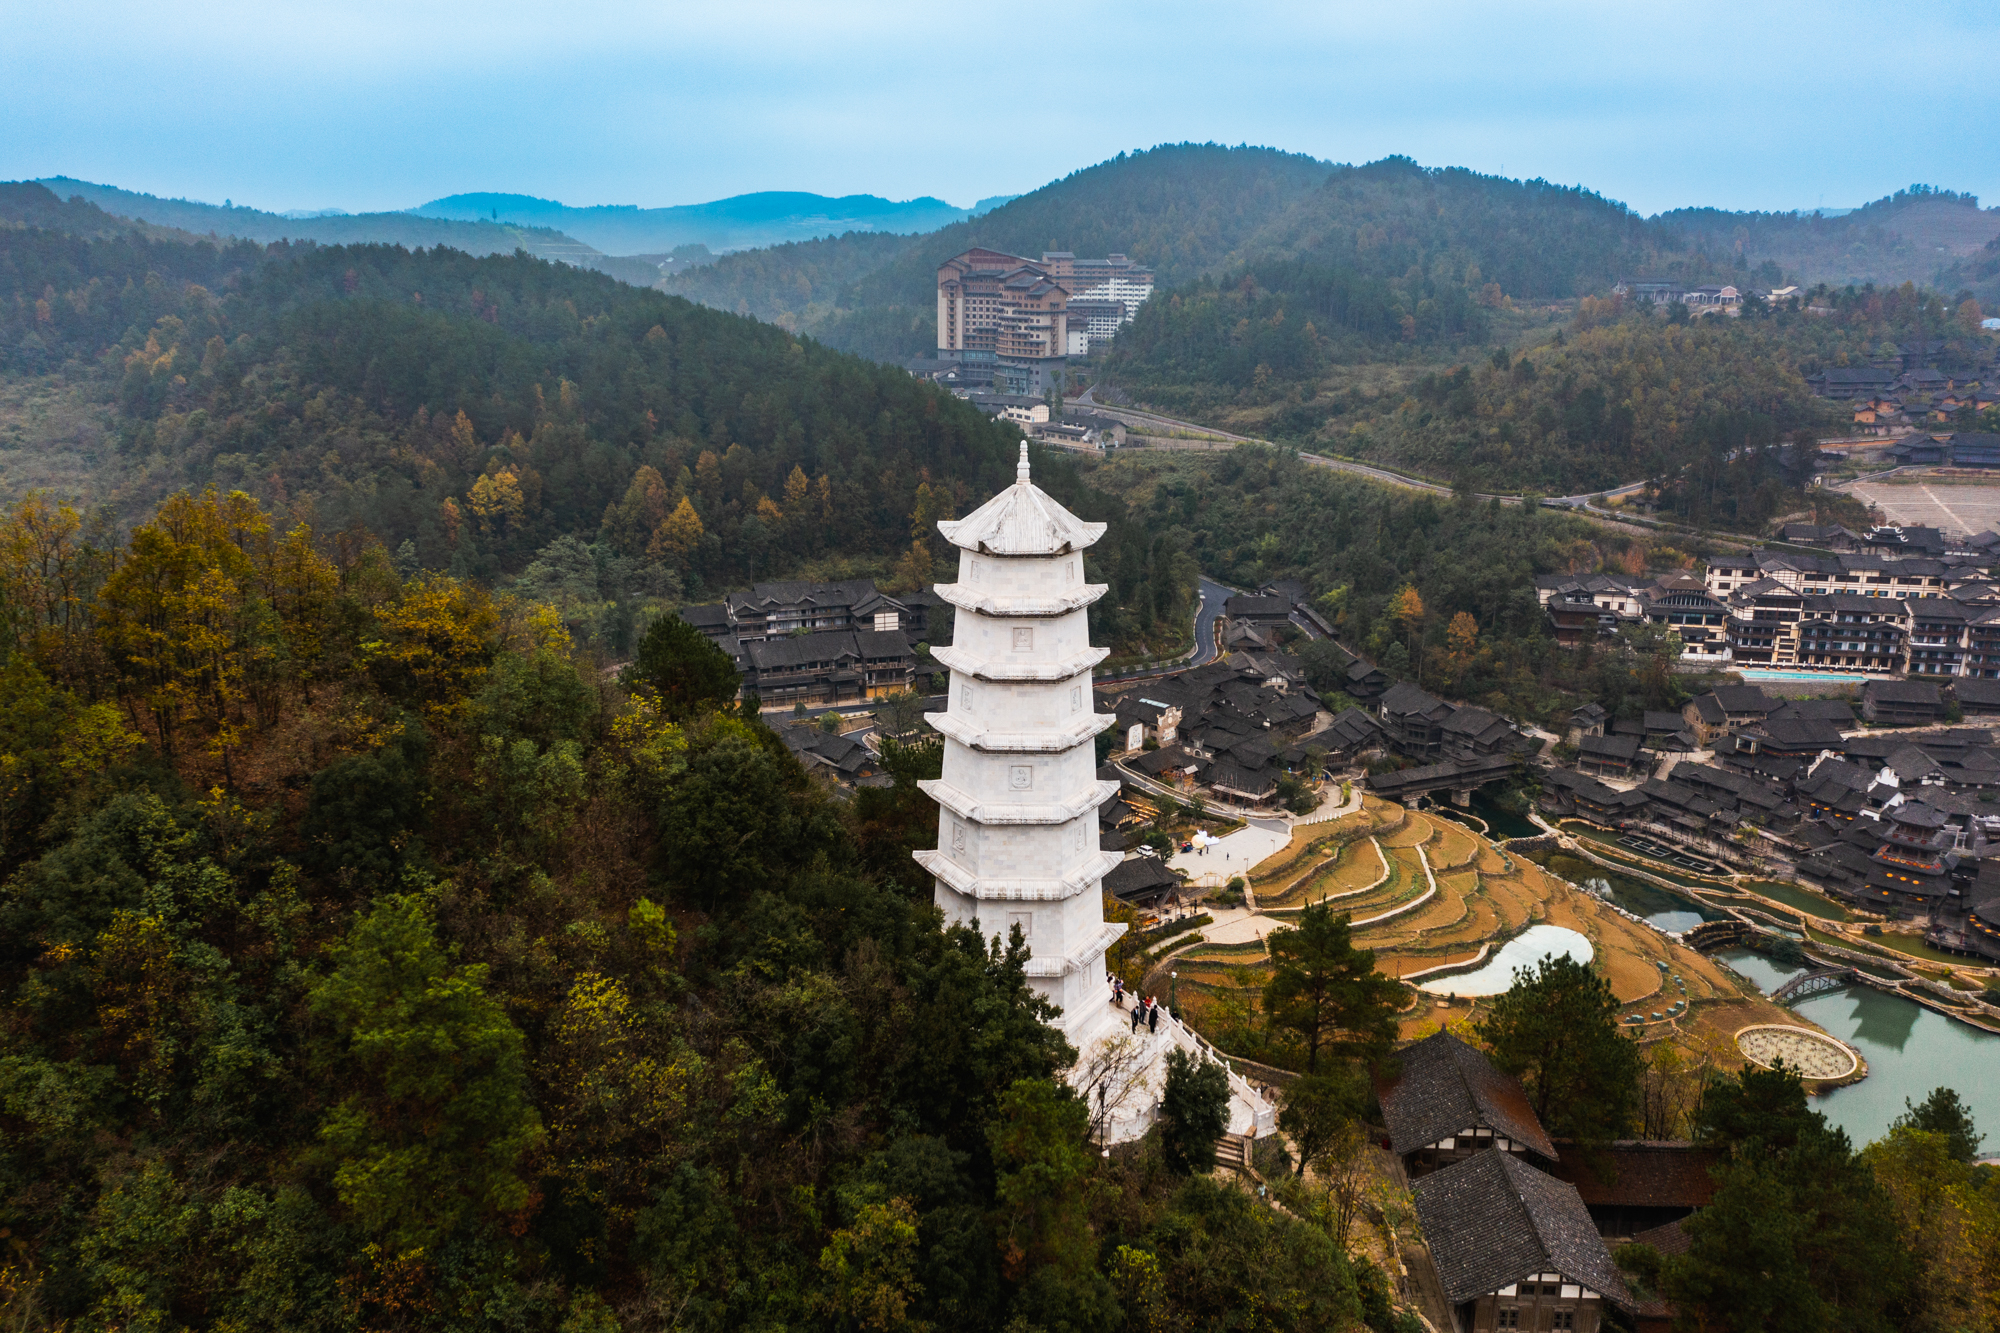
(1660, 908)
(1795, 895)
(1909, 1049)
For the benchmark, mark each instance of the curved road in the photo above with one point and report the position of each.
(1133, 416)
(1213, 595)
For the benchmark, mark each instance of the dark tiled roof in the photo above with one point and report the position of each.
(1973, 692)
(1744, 699)
(1640, 1174)
(1902, 692)
(712, 615)
(1137, 876)
(1444, 1086)
(1609, 747)
(1403, 697)
(1491, 1220)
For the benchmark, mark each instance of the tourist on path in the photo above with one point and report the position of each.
(1152, 1016)
(1138, 1012)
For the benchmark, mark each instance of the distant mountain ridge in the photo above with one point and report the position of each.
(405, 229)
(744, 221)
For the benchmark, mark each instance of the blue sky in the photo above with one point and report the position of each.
(368, 104)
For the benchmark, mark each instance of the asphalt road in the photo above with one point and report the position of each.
(1213, 595)
(1135, 417)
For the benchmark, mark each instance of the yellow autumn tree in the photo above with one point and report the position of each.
(798, 488)
(179, 617)
(49, 571)
(304, 589)
(631, 521)
(497, 502)
(1461, 636)
(438, 639)
(461, 444)
(678, 537)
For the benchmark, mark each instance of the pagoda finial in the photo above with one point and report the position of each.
(1021, 471)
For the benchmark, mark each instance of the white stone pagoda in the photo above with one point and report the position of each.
(1018, 802)
(1017, 828)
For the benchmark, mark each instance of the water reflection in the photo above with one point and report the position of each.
(1909, 1049)
(1878, 1019)
(1660, 908)
(1503, 823)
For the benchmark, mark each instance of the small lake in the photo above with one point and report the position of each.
(1660, 908)
(1502, 823)
(1524, 950)
(1909, 1049)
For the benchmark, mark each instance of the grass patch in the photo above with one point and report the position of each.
(1797, 895)
(1898, 944)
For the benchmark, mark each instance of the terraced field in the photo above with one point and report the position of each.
(1483, 897)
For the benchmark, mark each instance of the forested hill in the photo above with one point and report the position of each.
(480, 407)
(406, 229)
(1182, 208)
(1922, 235)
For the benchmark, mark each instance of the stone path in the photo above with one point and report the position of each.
(1259, 838)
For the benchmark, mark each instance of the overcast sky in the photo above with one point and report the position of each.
(377, 104)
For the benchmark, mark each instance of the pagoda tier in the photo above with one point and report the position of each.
(1018, 799)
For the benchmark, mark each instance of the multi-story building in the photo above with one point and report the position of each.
(818, 643)
(828, 667)
(1013, 314)
(1006, 312)
(1848, 632)
(1937, 635)
(1869, 575)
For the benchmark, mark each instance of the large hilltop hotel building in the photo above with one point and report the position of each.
(1015, 322)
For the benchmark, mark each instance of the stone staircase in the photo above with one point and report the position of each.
(1232, 1153)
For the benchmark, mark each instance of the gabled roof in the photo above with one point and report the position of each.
(1745, 699)
(1405, 698)
(1491, 1220)
(1902, 692)
(1137, 876)
(710, 615)
(1445, 1086)
(1610, 747)
(1641, 1173)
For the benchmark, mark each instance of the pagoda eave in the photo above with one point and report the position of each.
(966, 806)
(961, 880)
(970, 735)
(1005, 607)
(1005, 673)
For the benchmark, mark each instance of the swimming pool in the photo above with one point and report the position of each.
(1765, 673)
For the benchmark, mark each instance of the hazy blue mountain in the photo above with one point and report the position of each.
(771, 217)
(331, 228)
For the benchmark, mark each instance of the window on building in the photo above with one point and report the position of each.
(1507, 1317)
(1564, 1319)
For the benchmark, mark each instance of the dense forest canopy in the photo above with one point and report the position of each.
(372, 961)
(503, 415)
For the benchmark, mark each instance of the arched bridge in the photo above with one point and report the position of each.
(1814, 983)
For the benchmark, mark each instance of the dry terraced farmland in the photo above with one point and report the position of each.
(1483, 897)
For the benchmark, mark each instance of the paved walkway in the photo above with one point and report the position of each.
(1259, 838)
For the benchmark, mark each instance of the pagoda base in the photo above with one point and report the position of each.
(1122, 1074)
